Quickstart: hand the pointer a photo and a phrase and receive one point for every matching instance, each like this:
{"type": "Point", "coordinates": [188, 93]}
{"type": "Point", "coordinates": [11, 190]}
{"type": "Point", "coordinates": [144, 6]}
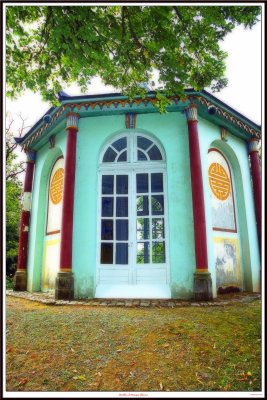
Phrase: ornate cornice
{"type": "Point", "coordinates": [102, 104]}
{"type": "Point", "coordinates": [229, 117]}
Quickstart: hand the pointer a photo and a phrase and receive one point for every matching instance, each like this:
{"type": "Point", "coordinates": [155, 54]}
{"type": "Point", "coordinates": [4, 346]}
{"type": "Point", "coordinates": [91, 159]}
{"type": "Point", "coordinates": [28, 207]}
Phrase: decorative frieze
{"type": "Point", "coordinates": [100, 104]}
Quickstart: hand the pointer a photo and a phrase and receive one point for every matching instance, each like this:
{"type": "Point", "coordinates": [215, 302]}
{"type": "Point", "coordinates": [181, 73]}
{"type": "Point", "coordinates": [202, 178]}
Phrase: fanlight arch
{"type": "Point", "coordinates": [132, 148]}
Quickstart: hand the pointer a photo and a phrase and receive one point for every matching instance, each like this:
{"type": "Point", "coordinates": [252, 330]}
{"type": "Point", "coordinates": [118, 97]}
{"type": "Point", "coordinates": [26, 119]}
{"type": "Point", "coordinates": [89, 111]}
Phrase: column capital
{"type": "Point", "coordinates": [72, 120]}
{"type": "Point", "coordinates": [31, 155]}
{"type": "Point", "coordinates": [191, 112]}
{"type": "Point", "coordinates": [253, 145]}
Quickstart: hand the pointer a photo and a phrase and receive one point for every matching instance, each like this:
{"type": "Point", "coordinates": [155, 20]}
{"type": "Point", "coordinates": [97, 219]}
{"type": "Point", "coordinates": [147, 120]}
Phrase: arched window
{"type": "Point", "coordinates": [221, 192]}
{"type": "Point", "coordinates": [144, 150]}
{"type": "Point", "coordinates": [55, 196]}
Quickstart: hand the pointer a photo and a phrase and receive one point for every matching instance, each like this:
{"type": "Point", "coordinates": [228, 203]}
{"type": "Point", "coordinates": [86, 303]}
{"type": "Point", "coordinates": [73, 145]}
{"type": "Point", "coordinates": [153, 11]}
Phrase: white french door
{"type": "Point", "coordinates": [132, 229]}
{"type": "Point", "coordinates": [132, 259]}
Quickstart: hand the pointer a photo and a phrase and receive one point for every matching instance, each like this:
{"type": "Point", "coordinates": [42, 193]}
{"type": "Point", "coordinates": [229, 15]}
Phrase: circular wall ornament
{"type": "Point", "coordinates": [219, 181]}
{"type": "Point", "coordinates": [56, 187]}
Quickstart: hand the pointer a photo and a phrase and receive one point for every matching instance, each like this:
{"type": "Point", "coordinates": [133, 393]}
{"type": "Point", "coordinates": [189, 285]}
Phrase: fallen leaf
{"type": "Point", "coordinates": [166, 345]}
{"type": "Point", "coordinates": [80, 378]}
{"type": "Point", "coordinates": [71, 349]}
{"type": "Point", "coordinates": [133, 363]}
{"type": "Point", "coordinates": [249, 373]}
{"type": "Point", "coordinates": [119, 350]}
{"type": "Point", "coordinates": [23, 381]}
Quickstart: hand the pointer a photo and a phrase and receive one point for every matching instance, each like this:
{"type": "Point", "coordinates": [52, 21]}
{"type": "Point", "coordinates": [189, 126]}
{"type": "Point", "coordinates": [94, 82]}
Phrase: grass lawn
{"type": "Point", "coordinates": [84, 348]}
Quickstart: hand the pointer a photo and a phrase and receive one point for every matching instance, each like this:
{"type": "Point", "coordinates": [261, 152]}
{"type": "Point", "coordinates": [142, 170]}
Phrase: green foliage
{"type": "Point", "coordinates": [49, 47]}
{"type": "Point", "coordinates": [13, 195]}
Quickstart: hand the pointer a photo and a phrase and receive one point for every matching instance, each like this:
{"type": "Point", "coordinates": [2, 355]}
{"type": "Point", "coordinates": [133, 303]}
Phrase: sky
{"type": "Point", "coordinates": [244, 72]}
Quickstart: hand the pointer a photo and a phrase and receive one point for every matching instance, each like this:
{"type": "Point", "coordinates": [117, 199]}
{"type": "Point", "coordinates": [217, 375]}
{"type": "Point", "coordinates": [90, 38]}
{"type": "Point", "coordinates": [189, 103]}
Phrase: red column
{"type": "Point", "coordinates": [202, 281]}
{"type": "Point", "coordinates": [253, 149]}
{"type": "Point", "coordinates": [20, 281]}
{"type": "Point", "coordinates": [65, 281]}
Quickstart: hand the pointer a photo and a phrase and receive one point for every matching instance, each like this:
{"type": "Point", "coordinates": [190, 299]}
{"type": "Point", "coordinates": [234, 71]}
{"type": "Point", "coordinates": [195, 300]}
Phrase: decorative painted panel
{"type": "Point", "coordinates": [51, 263]}
{"type": "Point", "coordinates": [221, 192]}
{"type": "Point", "coordinates": [55, 197]}
{"type": "Point", "coordinates": [227, 262]}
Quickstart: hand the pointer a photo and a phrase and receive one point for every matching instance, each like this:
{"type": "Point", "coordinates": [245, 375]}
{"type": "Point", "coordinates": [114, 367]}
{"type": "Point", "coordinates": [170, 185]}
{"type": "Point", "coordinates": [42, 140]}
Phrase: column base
{"type": "Point", "coordinates": [20, 281]}
{"type": "Point", "coordinates": [202, 286]}
{"type": "Point", "coordinates": [64, 286]}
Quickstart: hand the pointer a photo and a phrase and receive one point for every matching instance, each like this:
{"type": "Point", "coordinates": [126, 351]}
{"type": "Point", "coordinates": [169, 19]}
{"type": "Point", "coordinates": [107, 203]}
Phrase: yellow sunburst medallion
{"type": "Point", "coordinates": [56, 187]}
{"type": "Point", "coordinates": [219, 181]}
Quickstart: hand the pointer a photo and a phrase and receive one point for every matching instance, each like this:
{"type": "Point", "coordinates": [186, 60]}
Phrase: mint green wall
{"type": "Point", "coordinates": [235, 152]}
{"type": "Point", "coordinates": [171, 131]}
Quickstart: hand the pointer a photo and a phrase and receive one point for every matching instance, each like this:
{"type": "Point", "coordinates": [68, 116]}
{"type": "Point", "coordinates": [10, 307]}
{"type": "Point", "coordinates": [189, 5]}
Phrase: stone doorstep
{"type": "Point", "coordinates": [48, 299]}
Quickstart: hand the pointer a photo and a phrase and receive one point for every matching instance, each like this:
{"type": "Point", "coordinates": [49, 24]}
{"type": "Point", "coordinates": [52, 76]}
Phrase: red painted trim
{"type": "Point", "coordinates": [197, 197]}
{"type": "Point", "coordinates": [68, 201]}
{"type": "Point", "coordinates": [47, 208]}
{"type": "Point", "coordinates": [25, 221]}
{"type": "Point", "coordinates": [23, 240]}
{"type": "Point", "coordinates": [28, 177]}
{"type": "Point", "coordinates": [232, 190]}
{"type": "Point", "coordinates": [52, 233]}
{"type": "Point", "coordinates": [256, 180]}
{"type": "Point", "coordinates": [224, 230]}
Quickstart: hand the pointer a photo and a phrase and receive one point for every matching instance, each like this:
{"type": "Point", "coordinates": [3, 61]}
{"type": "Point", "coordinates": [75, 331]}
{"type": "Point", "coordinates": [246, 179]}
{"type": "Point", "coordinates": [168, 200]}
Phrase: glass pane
{"type": "Point", "coordinates": [141, 156]}
{"type": "Point", "coordinates": [156, 183]}
{"type": "Point", "coordinates": [122, 229]}
{"type": "Point", "coordinates": [106, 253]}
{"type": "Point", "coordinates": [157, 228]}
{"type": "Point", "coordinates": [158, 252]}
{"type": "Point", "coordinates": [143, 250]}
{"type": "Point", "coordinates": [107, 184]}
{"type": "Point", "coordinates": [142, 205]}
{"type": "Point", "coordinates": [123, 156]}
{"type": "Point", "coordinates": [122, 207]}
{"type": "Point", "coordinates": [142, 183]}
{"type": "Point", "coordinates": [107, 206]}
{"type": "Point", "coordinates": [154, 153]}
{"type": "Point", "coordinates": [143, 143]}
{"type": "Point", "coordinates": [107, 229]}
{"type": "Point", "coordinates": [109, 155]}
{"type": "Point", "coordinates": [142, 228]}
{"type": "Point", "coordinates": [120, 144]}
{"type": "Point", "coordinates": [157, 204]}
{"type": "Point", "coordinates": [121, 253]}
{"type": "Point", "coordinates": [122, 184]}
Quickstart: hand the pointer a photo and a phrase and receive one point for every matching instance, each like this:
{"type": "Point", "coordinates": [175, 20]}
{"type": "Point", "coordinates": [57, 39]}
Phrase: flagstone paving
{"type": "Point", "coordinates": [49, 299]}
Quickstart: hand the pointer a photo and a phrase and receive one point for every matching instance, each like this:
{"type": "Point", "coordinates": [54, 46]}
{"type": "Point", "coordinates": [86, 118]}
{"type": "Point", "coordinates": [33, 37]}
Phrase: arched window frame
{"type": "Point", "coordinates": [131, 144]}
{"type": "Point", "coordinates": [47, 208]}
{"type": "Point", "coordinates": [232, 191]}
